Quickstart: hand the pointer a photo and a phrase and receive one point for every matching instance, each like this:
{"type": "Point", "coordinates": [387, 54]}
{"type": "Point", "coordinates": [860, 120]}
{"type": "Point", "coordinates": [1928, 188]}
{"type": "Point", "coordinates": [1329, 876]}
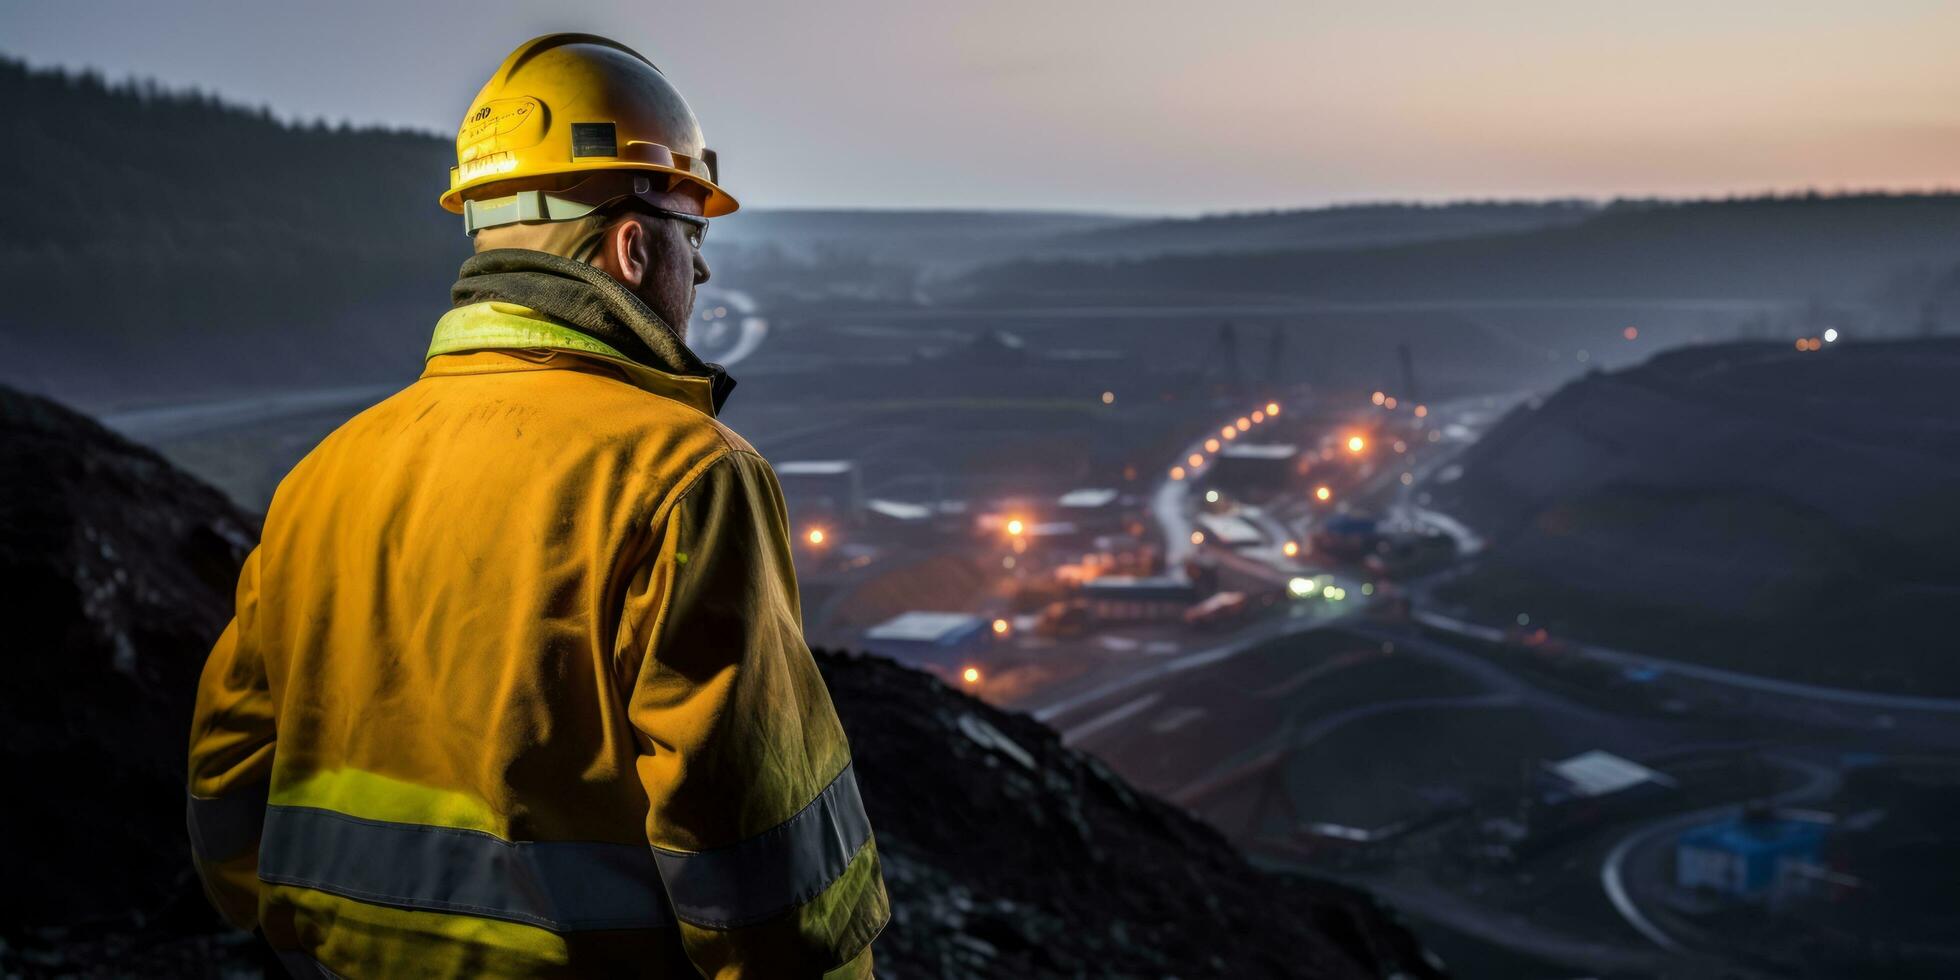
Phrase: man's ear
{"type": "Point", "coordinates": [629, 250]}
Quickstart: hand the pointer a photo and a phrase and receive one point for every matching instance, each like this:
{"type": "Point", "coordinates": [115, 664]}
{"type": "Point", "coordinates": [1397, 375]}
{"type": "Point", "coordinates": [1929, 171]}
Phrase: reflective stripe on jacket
{"type": "Point", "coordinates": [517, 686]}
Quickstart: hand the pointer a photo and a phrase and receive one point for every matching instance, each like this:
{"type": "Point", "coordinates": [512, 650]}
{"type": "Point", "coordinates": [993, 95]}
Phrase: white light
{"type": "Point", "coordinates": [1831, 335]}
{"type": "Point", "coordinates": [1301, 587]}
{"type": "Point", "coordinates": [1211, 496]}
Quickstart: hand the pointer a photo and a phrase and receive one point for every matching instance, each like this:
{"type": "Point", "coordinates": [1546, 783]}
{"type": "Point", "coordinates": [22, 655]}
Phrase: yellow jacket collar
{"type": "Point", "coordinates": [510, 329]}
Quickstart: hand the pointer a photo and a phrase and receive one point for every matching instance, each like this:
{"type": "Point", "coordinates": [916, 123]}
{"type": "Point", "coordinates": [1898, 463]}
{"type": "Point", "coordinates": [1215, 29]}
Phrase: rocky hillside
{"type": "Point", "coordinates": [1007, 854]}
{"type": "Point", "coordinates": [119, 571]}
{"type": "Point", "coordinates": [1752, 505]}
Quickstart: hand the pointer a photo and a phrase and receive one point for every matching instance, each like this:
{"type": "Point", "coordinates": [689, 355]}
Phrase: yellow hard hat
{"type": "Point", "coordinates": [565, 109]}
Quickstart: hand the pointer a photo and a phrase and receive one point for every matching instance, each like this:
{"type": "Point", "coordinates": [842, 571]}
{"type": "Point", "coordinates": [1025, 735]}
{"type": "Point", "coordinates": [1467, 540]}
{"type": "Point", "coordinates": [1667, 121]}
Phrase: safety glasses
{"type": "Point", "coordinates": [697, 226]}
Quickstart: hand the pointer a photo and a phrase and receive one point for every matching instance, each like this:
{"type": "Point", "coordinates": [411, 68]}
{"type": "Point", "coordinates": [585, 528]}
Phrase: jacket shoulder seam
{"type": "Point", "coordinates": [639, 541]}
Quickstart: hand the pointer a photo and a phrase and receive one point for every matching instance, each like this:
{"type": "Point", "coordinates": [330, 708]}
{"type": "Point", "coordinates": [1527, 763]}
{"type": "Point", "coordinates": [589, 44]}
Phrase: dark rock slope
{"type": "Point", "coordinates": [118, 572]}
{"type": "Point", "coordinates": [1011, 855]}
{"type": "Point", "coordinates": [1750, 505]}
{"type": "Point", "coordinates": [1007, 854]}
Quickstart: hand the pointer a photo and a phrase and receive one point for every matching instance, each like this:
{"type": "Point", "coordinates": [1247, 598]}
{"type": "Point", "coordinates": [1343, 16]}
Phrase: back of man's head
{"type": "Point", "coordinates": [576, 239]}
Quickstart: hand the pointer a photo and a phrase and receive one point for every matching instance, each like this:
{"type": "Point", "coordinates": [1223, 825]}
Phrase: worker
{"type": "Point", "coordinates": [517, 683]}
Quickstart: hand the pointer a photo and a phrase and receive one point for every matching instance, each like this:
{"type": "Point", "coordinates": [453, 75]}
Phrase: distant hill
{"type": "Point", "coordinates": [909, 236]}
{"type": "Point", "coordinates": [1746, 505]}
{"type": "Point", "coordinates": [1769, 248]}
{"type": "Point", "coordinates": [156, 236]}
{"type": "Point", "coordinates": [1341, 226]}
{"type": "Point", "coordinates": [964, 237]}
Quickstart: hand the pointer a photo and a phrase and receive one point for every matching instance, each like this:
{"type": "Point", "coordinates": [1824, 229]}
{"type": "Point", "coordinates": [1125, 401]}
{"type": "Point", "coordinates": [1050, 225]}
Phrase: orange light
{"type": "Point", "coordinates": [1803, 343]}
{"type": "Point", "coordinates": [1390, 403]}
{"type": "Point", "coordinates": [1244, 423]}
{"type": "Point", "coordinates": [1631, 333]}
{"type": "Point", "coordinates": [1231, 433]}
{"type": "Point", "coordinates": [1177, 472]}
{"type": "Point", "coordinates": [1356, 444]}
{"type": "Point", "coordinates": [1422, 411]}
{"type": "Point", "coordinates": [971, 675]}
{"type": "Point", "coordinates": [1197, 537]}
{"type": "Point", "coordinates": [1000, 627]}
{"type": "Point", "coordinates": [1323, 493]}
{"type": "Point", "coordinates": [1378, 398]}
{"type": "Point", "coordinates": [1290, 548]}
{"type": "Point", "coordinates": [1109, 398]}
{"type": "Point", "coordinates": [1196, 460]}
{"type": "Point", "coordinates": [1015, 527]}
{"type": "Point", "coordinates": [1211, 445]}
{"type": "Point", "coordinates": [1272, 408]}
{"type": "Point", "coordinates": [816, 535]}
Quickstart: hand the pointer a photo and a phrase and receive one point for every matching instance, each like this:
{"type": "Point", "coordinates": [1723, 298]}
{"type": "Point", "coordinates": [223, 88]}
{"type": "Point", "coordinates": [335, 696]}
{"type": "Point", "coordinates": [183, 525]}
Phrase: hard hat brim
{"type": "Point", "coordinates": [719, 201]}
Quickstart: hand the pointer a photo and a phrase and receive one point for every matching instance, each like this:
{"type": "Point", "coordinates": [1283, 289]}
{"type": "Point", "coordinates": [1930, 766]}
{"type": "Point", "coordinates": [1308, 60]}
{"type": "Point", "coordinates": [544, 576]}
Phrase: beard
{"type": "Point", "coordinates": [672, 298]}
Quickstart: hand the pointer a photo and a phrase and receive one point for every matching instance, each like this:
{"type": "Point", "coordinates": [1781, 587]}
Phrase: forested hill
{"type": "Point", "coordinates": [153, 235]}
{"type": "Point", "coordinates": [1763, 248]}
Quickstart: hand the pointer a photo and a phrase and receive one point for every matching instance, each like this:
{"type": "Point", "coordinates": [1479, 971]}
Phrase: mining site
{"type": "Point", "coordinates": [1538, 587]}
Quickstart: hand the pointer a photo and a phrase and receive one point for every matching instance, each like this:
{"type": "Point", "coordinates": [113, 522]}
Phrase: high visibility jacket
{"type": "Point", "coordinates": [517, 686]}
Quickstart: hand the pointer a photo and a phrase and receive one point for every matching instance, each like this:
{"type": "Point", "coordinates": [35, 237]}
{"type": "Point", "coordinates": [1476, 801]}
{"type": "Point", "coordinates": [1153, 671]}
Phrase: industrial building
{"type": "Point", "coordinates": [928, 639]}
{"type": "Point", "coordinates": [822, 489]}
{"type": "Point", "coordinates": [1347, 535]}
{"type": "Point", "coordinates": [1244, 468]}
{"type": "Point", "coordinates": [1087, 499]}
{"type": "Point", "coordinates": [1128, 598]}
{"type": "Point", "coordinates": [1747, 856]}
{"type": "Point", "coordinates": [1596, 774]}
{"type": "Point", "coordinates": [1230, 530]}
{"type": "Point", "coordinates": [1573, 794]}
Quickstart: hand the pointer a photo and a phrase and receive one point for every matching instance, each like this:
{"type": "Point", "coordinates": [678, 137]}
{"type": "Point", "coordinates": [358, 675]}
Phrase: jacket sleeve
{"type": "Point", "coordinates": [753, 808]}
{"type": "Point", "coordinates": [231, 760]}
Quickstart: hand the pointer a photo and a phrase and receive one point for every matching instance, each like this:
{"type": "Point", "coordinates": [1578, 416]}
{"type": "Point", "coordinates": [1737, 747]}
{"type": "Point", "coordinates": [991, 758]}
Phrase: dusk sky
{"type": "Point", "coordinates": [1149, 107]}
